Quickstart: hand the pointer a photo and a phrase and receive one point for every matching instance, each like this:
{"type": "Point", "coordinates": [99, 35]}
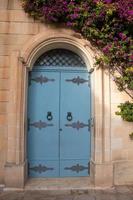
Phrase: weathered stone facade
{"type": "Point", "coordinates": [22, 40]}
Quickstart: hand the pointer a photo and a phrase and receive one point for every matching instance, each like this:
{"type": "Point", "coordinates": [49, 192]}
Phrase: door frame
{"type": "Point", "coordinates": [20, 62]}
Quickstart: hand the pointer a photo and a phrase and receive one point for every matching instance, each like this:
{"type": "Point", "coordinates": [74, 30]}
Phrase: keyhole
{"type": "Point", "coordinates": [49, 116]}
{"type": "Point", "coordinates": [69, 116]}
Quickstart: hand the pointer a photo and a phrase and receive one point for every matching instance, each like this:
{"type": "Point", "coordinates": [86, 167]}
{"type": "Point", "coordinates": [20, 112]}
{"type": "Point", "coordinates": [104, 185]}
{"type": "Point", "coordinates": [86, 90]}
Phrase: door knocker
{"type": "Point", "coordinates": [69, 116]}
{"type": "Point", "coordinates": [49, 116]}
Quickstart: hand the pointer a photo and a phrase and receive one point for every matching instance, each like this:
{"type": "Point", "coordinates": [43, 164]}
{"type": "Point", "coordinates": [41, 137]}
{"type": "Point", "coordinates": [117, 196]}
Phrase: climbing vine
{"type": "Point", "coordinates": [126, 111]}
{"type": "Point", "coordinates": [108, 24]}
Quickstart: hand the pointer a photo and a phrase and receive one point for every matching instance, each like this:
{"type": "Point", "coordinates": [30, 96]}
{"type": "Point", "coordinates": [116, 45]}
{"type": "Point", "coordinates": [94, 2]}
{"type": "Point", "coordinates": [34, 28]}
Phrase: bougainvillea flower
{"type": "Point", "coordinates": [106, 23]}
{"type": "Point", "coordinates": [108, 1]}
{"type": "Point", "coordinates": [122, 36]}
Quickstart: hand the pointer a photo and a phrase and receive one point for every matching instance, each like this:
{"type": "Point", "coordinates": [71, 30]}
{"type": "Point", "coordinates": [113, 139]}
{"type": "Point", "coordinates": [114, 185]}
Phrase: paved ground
{"type": "Point", "coordinates": [118, 193]}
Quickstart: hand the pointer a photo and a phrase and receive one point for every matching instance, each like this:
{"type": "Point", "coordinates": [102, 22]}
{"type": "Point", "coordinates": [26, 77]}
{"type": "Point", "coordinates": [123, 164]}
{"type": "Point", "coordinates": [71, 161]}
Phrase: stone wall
{"type": "Point", "coordinates": [121, 144]}
{"type": "Point", "coordinates": [16, 29]}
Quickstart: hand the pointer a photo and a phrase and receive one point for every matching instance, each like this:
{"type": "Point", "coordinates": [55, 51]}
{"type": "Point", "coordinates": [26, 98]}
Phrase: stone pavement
{"type": "Point", "coordinates": [117, 193]}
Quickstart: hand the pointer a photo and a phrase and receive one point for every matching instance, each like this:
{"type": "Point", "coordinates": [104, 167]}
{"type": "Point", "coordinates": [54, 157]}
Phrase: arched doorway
{"type": "Point", "coordinates": [59, 116]}
{"type": "Point", "coordinates": [22, 61]}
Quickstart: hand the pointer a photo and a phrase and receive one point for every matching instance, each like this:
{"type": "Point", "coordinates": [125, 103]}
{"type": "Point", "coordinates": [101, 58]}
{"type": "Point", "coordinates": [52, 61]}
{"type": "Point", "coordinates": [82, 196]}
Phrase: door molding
{"type": "Point", "coordinates": [20, 62]}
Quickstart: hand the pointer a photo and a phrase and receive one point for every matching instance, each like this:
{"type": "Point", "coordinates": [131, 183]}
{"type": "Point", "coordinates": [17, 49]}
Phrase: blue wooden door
{"type": "Point", "coordinates": [58, 124]}
{"type": "Point", "coordinates": [43, 124]}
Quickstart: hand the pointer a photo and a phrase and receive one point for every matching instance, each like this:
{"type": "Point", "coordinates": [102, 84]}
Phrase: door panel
{"type": "Point", "coordinates": [75, 134]}
{"type": "Point", "coordinates": [43, 130]}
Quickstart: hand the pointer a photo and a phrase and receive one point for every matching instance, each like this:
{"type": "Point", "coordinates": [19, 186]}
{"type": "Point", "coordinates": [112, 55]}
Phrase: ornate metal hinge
{"type": "Point", "coordinates": [78, 125]}
{"type": "Point", "coordinates": [78, 168]}
{"type": "Point", "coordinates": [40, 124]}
{"type": "Point", "coordinates": [40, 168]}
{"type": "Point", "coordinates": [78, 80]}
{"type": "Point", "coordinates": [40, 79]}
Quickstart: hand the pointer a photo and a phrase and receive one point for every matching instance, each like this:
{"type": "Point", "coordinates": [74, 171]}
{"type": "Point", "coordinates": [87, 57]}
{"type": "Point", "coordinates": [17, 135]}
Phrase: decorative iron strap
{"type": "Point", "coordinates": [40, 124]}
{"type": "Point", "coordinates": [77, 168]}
{"type": "Point", "coordinates": [40, 168]}
{"type": "Point", "coordinates": [79, 125]}
{"type": "Point", "coordinates": [41, 79]}
{"type": "Point", "coordinates": [78, 80]}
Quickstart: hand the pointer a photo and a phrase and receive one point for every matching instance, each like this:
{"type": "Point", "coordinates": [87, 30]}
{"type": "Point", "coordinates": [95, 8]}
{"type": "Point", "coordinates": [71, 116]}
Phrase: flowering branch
{"type": "Point", "coordinates": [106, 23]}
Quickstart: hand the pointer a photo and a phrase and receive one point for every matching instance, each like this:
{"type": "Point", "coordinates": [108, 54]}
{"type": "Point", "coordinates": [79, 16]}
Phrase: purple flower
{"type": "Point", "coordinates": [130, 12]}
{"type": "Point", "coordinates": [131, 58]}
{"type": "Point", "coordinates": [95, 1]}
{"type": "Point", "coordinates": [122, 36]}
{"type": "Point", "coordinates": [108, 1]}
{"type": "Point", "coordinates": [115, 39]}
{"type": "Point", "coordinates": [77, 9]}
{"type": "Point", "coordinates": [107, 48]}
{"type": "Point", "coordinates": [69, 23]}
{"type": "Point", "coordinates": [74, 16]}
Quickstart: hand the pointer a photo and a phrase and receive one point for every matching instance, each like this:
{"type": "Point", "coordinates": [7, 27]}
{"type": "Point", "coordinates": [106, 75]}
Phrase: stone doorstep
{"type": "Point", "coordinates": [61, 192]}
{"type": "Point", "coordinates": [65, 186]}
{"type": "Point", "coordinates": [58, 184]}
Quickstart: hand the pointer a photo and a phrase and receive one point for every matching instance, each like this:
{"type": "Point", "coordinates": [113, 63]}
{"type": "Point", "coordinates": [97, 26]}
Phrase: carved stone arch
{"type": "Point", "coordinates": [43, 44]}
{"type": "Point", "coordinates": [21, 62]}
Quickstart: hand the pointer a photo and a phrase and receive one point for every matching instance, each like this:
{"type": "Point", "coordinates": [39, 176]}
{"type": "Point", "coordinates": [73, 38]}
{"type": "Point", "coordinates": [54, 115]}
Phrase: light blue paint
{"type": "Point", "coordinates": [59, 149]}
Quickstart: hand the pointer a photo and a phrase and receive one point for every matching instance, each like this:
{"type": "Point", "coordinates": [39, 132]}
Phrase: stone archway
{"type": "Point", "coordinates": [21, 62]}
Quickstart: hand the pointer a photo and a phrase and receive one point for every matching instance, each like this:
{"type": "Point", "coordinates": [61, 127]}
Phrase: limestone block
{"type": "Point", "coordinates": [11, 39]}
{"type": "Point", "coordinates": [3, 119]}
{"type": "Point", "coordinates": [121, 130]}
{"type": "Point", "coordinates": [4, 85]}
{"type": "Point", "coordinates": [12, 131]}
{"type": "Point", "coordinates": [103, 175]}
{"type": "Point", "coordinates": [43, 27]}
{"type": "Point", "coordinates": [12, 143]}
{"type": "Point", "coordinates": [11, 155]}
{"type": "Point", "coordinates": [3, 130]}
{"type": "Point", "coordinates": [4, 15]}
{"type": "Point", "coordinates": [4, 96]}
{"type": "Point", "coordinates": [15, 175]}
{"type": "Point", "coordinates": [6, 50]}
{"type": "Point", "coordinates": [14, 5]}
{"type": "Point", "coordinates": [3, 107]}
{"type": "Point", "coordinates": [4, 73]}
{"type": "Point", "coordinates": [119, 155]}
{"type": "Point", "coordinates": [118, 122]}
{"type": "Point", "coordinates": [18, 28]}
{"type": "Point", "coordinates": [3, 4]}
{"type": "Point", "coordinates": [2, 147]}
{"type": "Point", "coordinates": [4, 61]}
{"type": "Point", "coordinates": [12, 119]}
{"type": "Point", "coordinates": [117, 97]}
{"type": "Point", "coordinates": [14, 16]}
{"type": "Point", "coordinates": [123, 173]}
{"type": "Point", "coordinates": [3, 50]}
{"type": "Point", "coordinates": [130, 153]}
{"type": "Point", "coordinates": [117, 143]}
